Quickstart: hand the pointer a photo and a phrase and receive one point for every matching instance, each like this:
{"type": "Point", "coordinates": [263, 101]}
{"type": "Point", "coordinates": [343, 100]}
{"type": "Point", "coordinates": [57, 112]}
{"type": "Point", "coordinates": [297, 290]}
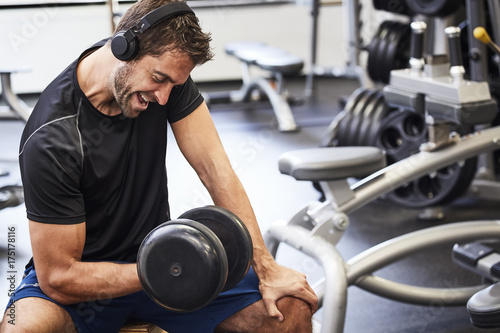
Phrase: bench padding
{"type": "Point", "coordinates": [266, 57]}
{"type": "Point", "coordinates": [332, 163]}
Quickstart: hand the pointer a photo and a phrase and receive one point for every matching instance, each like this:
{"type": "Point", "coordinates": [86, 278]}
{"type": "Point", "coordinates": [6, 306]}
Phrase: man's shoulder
{"type": "Point", "coordinates": [62, 95]}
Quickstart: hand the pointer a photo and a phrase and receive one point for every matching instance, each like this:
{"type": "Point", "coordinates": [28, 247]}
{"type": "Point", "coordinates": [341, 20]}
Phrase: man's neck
{"type": "Point", "coordinates": [93, 73]}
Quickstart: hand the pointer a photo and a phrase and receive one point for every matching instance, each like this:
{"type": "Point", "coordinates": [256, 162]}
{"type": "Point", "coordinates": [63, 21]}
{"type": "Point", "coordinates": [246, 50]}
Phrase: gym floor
{"type": "Point", "coordinates": [253, 144]}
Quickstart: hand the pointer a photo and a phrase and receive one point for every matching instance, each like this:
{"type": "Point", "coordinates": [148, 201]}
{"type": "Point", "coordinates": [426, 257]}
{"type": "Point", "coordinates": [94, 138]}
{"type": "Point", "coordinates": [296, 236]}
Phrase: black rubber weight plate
{"type": "Point", "coordinates": [234, 237]}
{"type": "Point", "coordinates": [182, 265]}
{"type": "Point", "coordinates": [358, 118]}
{"type": "Point", "coordinates": [376, 103]}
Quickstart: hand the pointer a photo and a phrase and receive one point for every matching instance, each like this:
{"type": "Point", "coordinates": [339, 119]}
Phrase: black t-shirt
{"type": "Point", "coordinates": [79, 165]}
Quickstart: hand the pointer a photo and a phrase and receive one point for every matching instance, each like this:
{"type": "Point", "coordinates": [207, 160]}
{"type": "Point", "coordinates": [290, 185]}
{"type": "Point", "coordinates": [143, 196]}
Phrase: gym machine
{"type": "Point", "coordinates": [390, 119]}
{"type": "Point", "coordinates": [439, 92]}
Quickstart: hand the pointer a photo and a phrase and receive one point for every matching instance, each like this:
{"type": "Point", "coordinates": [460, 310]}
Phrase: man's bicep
{"type": "Point", "coordinates": [55, 246]}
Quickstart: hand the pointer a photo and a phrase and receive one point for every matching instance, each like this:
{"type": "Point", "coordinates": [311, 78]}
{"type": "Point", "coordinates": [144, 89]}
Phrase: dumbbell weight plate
{"type": "Point", "coordinates": [182, 265]}
{"type": "Point", "coordinates": [233, 235]}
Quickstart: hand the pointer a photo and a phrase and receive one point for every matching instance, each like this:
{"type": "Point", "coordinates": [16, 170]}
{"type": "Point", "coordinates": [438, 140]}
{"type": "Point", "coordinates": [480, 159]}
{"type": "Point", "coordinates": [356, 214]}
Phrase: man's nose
{"type": "Point", "coordinates": [163, 94]}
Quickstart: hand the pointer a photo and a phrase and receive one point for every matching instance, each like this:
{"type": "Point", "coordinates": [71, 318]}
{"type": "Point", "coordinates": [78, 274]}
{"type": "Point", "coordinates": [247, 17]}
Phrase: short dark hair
{"type": "Point", "coordinates": [180, 33]}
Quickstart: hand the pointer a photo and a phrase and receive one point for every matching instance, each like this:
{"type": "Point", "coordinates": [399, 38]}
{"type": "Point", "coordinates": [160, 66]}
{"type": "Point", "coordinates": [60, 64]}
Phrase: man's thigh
{"type": "Point", "coordinates": [34, 314]}
{"type": "Point", "coordinates": [205, 319]}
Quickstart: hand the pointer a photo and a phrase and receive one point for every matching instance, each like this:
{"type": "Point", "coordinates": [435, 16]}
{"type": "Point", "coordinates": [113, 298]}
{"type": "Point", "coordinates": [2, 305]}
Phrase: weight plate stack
{"type": "Point", "coordinates": [368, 121]}
{"type": "Point", "coordinates": [388, 50]}
{"type": "Point", "coordinates": [358, 123]}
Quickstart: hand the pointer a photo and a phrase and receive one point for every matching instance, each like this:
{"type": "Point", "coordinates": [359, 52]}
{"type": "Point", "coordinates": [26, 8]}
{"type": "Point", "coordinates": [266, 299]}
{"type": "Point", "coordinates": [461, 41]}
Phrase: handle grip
{"type": "Point", "coordinates": [453, 34]}
{"type": "Point", "coordinates": [417, 39]}
{"type": "Point", "coordinates": [481, 34]}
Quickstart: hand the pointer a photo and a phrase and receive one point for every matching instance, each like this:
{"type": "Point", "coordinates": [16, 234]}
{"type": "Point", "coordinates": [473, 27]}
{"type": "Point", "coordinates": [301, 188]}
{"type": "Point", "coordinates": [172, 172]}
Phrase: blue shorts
{"type": "Point", "coordinates": [109, 315]}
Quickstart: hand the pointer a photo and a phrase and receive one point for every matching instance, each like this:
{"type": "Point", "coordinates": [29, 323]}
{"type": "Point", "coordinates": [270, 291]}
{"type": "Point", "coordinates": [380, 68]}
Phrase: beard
{"type": "Point", "coordinates": [123, 92]}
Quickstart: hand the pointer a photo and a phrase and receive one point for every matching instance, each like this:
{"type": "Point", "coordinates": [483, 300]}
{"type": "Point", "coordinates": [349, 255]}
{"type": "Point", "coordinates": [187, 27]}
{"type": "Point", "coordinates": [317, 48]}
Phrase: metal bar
{"type": "Point", "coordinates": [397, 248]}
{"type": "Point", "coordinates": [417, 295]}
{"type": "Point", "coordinates": [313, 47]}
{"type": "Point", "coordinates": [334, 305]}
{"type": "Point", "coordinates": [14, 102]}
{"type": "Point", "coordinates": [112, 15]}
{"type": "Point", "coordinates": [478, 53]}
{"type": "Point", "coordinates": [352, 16]}
{"type": "Point", "coordinates": [283, 112]}
{"type": "Point", "coordinates": [494, 10]}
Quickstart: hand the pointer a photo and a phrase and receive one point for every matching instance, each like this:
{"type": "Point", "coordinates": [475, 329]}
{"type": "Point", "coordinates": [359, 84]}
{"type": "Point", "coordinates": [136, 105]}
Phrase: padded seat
{"type": "Point", "coordinates": [332, 163]}
{"type": "Point", "coordinates": [266, 57]}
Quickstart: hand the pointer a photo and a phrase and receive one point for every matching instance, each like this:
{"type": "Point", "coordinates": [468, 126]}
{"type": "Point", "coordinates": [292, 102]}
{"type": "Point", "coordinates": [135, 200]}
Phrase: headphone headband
{"type": "Point", "coordinates": [125, 44]}
{"type": "Point", "coordinates": [164, 12]}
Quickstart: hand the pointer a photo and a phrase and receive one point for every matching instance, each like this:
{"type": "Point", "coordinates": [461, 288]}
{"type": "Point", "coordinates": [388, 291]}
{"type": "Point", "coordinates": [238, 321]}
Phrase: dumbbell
{"type": "Point", "coordinates": [184, 264]}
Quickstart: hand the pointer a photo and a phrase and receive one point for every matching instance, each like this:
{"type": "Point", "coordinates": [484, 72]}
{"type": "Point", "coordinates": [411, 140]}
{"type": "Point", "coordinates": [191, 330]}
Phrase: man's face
{"type": "Point", "coordinates": [149, 80]}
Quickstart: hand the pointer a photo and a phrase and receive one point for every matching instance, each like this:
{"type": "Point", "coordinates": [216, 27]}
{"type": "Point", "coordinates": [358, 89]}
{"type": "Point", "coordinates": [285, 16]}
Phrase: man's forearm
{"type": "Point", "coordinates": [234, 198]}
{"type": "Point", "coordinates": [86, 281]}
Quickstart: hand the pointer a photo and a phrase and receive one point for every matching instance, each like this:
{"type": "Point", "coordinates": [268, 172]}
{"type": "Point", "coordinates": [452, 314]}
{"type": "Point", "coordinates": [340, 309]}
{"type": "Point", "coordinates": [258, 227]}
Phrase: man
{"type": "Point", "coordinates": [92, 159]}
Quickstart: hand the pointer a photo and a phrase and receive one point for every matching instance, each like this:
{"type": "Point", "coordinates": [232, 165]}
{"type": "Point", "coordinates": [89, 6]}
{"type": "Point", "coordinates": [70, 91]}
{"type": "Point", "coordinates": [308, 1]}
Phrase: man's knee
{"type": "Point", "coordinates": [254, 318]}
{"type": "Point", "coordinates": [297, 314]}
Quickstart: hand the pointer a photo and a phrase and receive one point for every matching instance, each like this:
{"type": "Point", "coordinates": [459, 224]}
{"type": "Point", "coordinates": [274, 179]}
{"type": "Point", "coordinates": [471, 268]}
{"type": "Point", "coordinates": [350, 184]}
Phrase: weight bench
{"type": "Point", "coordinates": [16, 108]}
{"type": "Point", "coordinates": [274, 60]}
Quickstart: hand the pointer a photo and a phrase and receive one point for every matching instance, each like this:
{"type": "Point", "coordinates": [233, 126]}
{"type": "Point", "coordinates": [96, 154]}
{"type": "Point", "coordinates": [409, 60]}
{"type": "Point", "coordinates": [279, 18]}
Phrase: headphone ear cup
{"type": "Point", "coordinates": [122, 48]}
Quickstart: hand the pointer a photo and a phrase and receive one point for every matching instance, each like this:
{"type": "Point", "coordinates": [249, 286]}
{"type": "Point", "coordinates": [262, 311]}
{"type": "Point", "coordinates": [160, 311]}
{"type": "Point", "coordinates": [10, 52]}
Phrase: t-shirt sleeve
{"type": "Point", "coordinates": [183, 100]}
{"type": "Point", "coordinates": [50, 163]}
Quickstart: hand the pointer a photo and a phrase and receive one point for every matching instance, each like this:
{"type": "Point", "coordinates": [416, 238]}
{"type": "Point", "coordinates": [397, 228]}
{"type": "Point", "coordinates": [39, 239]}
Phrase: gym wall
{"type": "Point", "coordinates": [45, 39]}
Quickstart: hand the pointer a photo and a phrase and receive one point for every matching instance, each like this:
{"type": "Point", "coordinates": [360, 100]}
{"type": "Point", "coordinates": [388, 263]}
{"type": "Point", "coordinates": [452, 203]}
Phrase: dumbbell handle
{"type": "Point", "coordinates": [481, 34]}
